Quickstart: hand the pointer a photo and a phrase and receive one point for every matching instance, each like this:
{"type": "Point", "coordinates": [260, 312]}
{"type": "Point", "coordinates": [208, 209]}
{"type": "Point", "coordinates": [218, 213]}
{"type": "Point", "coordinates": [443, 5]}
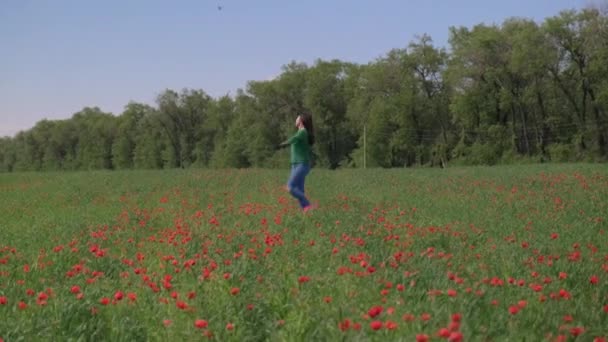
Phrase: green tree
{"type": "Point", "coordinates": [325, 98]}
{"type": "Point", "coordinates": [123, 148]}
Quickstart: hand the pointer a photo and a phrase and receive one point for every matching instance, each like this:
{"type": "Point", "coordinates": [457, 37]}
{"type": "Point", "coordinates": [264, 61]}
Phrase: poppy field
{"type": "Point", "coordinates": [462, 254]}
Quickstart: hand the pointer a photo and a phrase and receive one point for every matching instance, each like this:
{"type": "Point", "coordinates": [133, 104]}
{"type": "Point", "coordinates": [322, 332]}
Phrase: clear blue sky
{"type": "Point", "coordinates": [59, 56]}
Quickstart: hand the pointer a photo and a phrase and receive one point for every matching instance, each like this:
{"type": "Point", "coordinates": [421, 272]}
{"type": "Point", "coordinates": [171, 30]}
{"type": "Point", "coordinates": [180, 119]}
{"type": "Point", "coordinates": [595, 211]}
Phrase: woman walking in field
{"type": "Point", "coordinates": [301, 144]}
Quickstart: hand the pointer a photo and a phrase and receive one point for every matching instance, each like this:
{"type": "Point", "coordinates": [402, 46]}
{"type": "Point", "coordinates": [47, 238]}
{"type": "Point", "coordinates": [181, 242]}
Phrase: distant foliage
{"type": "Point", "coordinates": [505, 93]}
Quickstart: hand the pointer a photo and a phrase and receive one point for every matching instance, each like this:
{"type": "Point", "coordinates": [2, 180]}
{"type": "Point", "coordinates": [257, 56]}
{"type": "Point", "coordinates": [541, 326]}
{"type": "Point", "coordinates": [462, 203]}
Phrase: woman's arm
{"type": "Point", "coordinates": [298, 136]}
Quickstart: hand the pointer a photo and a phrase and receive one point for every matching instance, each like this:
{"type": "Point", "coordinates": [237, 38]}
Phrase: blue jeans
{"type": "Point", "coordinates": [296, 182]}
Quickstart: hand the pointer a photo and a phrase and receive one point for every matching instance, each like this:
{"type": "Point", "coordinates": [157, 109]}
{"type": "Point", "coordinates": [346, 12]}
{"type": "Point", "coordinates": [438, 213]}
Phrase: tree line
{"type": "Point", "coordinates": [519, 91]}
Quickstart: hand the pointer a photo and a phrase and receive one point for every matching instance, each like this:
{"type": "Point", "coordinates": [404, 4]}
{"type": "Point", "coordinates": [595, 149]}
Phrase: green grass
{"type": "Point", "coordinates": [422, 231]}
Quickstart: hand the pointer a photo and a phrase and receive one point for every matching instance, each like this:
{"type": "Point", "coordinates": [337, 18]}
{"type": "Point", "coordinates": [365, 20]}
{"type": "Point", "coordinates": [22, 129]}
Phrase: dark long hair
{"type": "Point", "coordinates": [307, 122]}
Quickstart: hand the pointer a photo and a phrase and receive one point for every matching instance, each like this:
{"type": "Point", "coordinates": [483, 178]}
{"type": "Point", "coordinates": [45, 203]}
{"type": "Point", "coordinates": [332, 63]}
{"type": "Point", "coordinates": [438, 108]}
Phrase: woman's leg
{"type": "Point", "coordinates": [304, 169]}
{"type": "Point", "coordinates": [305, 172]}
{"type": "Point", "coordinates": [296, 183]}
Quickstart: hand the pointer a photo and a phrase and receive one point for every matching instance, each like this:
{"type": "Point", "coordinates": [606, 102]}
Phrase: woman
{"type": "Point", "coordinates": [301, 143]}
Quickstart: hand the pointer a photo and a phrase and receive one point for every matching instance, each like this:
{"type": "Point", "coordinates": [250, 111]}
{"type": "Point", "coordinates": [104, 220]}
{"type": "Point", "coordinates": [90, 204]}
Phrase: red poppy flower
{"type": "Point", "coordinates": [200, 323]}
{"type": "Point", "coordinates": [344, 325]}
{"type": "Point", "coordinates": [454, 326]}
{"type": "Point", "coordinates": [408, 317]}
{"type": "Point", "coordinates": [181, 305]}
{"type": "Point", "coordinates": [390, 325]}
{"type": "Point", "coordinates": [422, 338]}
{"type": "Point", "coordinates": [375, 311]}
{"type": "Point", "coordinates": [594, 279]}
{"type": "Point", "coordinates": [303, 279]}
{"type": "Point", "coordinates": [443, 332]}
{"type": "Point", "coordinates": [455, 336]}
{"type": "Point", "coordinates": [576, 331]}
{"type": "Point", "coordinates": [376, 325]}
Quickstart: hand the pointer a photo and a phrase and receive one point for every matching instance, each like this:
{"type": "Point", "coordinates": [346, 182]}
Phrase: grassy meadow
{"type": "Point", "coordinates": [476, 254]}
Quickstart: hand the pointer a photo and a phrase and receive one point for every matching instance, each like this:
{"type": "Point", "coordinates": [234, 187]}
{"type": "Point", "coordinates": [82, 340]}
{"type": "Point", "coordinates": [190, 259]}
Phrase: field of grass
{"type": "Point", "coordinates": [477, 254]}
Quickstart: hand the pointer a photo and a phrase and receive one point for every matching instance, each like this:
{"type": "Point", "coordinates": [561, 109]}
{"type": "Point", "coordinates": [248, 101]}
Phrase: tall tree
{"type": "Point", "coordinates": [123, 148]}
{"type": "Point", "coordinates": [577, 36]}
{"type": "Point", "coordinates": [326, 99]}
